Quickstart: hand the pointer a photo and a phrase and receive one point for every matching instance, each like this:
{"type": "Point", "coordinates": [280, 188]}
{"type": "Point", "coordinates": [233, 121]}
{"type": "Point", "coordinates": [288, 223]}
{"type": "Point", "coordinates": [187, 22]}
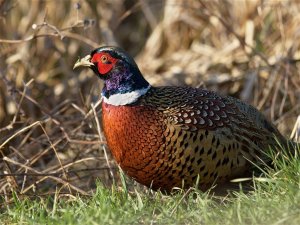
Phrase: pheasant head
{"type": "Point", "coordinates": [123, 81]}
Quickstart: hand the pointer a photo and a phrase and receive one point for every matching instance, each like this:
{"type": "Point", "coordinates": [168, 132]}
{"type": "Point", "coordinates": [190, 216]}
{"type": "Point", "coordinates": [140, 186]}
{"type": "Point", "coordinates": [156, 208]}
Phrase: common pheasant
{"type": "Point", "coordinates": [167, 137]}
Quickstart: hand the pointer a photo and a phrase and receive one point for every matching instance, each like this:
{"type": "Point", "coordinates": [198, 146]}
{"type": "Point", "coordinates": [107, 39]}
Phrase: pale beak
{"type": "Point", "coordinates": [84, 62]}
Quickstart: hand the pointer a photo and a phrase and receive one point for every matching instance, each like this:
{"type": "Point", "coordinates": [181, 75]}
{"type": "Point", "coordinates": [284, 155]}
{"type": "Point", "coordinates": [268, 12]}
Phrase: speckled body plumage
{"type": "Point", "coordinates": [167, 137]}
{"type": "Point", "coordinates": [173, 134]}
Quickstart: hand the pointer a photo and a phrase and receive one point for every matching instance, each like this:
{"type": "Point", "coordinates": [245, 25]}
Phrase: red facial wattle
{"type": "Point", "coordinates": [104, 61]}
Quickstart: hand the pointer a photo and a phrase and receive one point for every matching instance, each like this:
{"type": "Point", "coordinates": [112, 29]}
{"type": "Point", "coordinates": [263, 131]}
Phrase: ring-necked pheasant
{"type": "Point", "coordinates": [165, 137]}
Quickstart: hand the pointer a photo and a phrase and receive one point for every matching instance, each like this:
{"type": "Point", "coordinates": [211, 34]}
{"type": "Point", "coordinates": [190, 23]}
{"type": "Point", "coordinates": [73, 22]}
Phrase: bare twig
{"type": "Point", "coordinates": [101, 139]}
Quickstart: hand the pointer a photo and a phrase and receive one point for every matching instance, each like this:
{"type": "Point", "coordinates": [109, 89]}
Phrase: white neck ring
{"type": "Point", "coordinates": [125, 98]}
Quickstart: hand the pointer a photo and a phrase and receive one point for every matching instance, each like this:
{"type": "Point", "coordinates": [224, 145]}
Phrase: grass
{"type": "Point", "coordinates": [275, 199]}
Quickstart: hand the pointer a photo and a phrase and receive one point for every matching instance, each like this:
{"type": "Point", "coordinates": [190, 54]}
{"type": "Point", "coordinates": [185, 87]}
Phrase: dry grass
{"type": "Point", "coordinates": [50, 138]}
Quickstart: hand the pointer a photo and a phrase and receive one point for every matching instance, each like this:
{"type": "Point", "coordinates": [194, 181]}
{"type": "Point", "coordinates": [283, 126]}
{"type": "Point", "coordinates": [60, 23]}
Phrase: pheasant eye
{"type": "Point", "coordinates": [104, 59]}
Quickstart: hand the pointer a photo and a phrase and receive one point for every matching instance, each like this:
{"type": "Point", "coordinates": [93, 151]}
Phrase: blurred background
{"type": "Point", "coordinates": [50, 135]}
